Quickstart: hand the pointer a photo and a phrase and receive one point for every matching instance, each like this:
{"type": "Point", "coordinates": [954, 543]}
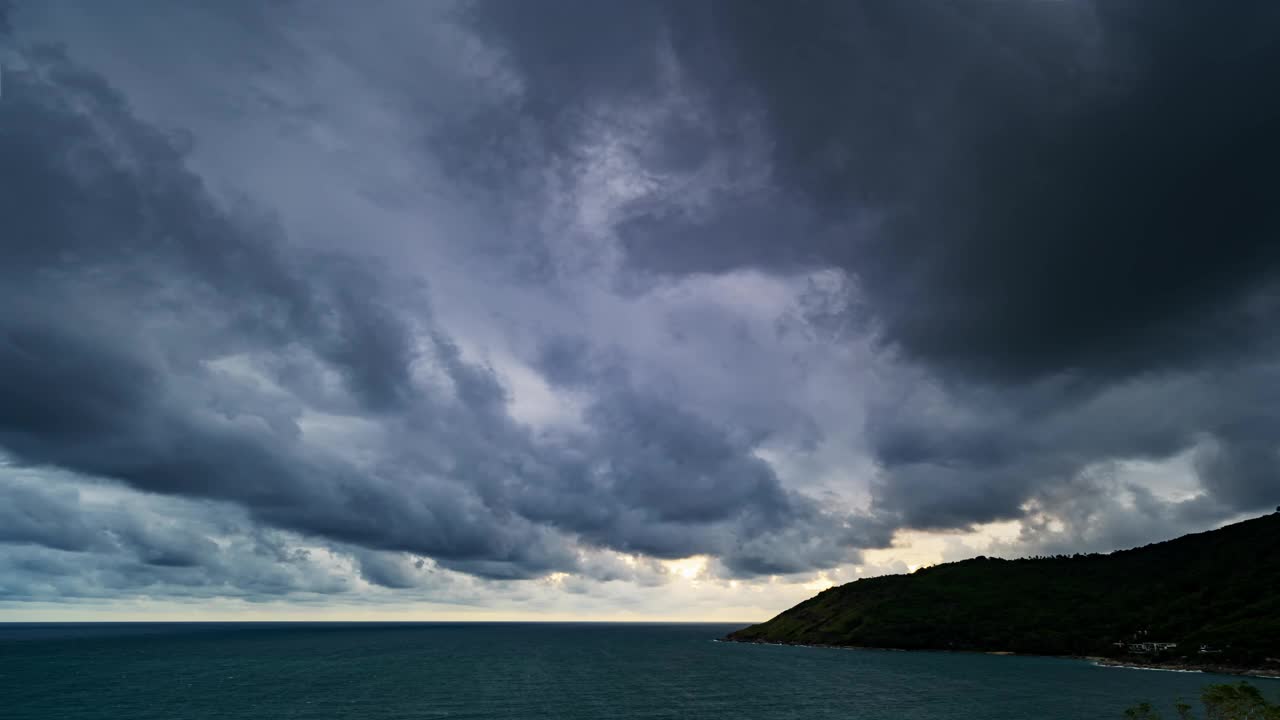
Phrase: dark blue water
{"type": "Point", "coordinates": [383, 671]}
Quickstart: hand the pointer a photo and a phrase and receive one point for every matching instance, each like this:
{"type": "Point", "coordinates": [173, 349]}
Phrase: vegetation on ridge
{"type": "Point", "coordinates": [1215, 594]}
{"type": "Point", "coordinates": [1240, 701]}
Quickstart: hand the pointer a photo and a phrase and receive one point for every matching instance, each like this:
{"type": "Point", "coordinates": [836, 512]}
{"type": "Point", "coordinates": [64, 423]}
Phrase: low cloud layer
{"type": "Point", "coordinates": [440, 301]}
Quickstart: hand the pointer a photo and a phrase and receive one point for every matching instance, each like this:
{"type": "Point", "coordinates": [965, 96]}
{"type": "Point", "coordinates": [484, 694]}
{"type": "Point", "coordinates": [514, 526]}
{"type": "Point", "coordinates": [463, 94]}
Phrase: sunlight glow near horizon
{"type": "Point", "coordinates": [709, 599]}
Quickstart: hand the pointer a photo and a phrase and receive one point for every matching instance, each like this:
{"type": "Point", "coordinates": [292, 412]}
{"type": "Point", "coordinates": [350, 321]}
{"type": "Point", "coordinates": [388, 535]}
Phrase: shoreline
{"type": "Point", "coordinates": [1266, 673]}
{"type": "Point", "coordinates": [1099, 661]}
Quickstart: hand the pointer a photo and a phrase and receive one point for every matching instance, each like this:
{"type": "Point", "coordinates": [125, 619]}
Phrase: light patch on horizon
{"type": "Point", "coordinates": [820, 583]}
{"type": "Point", "coordinates": [692, 569]}
{"type": "Point", "coordinates": [917, 549]}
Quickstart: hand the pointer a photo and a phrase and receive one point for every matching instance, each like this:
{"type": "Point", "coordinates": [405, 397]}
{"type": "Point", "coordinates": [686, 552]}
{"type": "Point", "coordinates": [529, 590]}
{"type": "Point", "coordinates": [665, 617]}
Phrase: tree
{"type": "Point", "coordinates": [1239, 701]}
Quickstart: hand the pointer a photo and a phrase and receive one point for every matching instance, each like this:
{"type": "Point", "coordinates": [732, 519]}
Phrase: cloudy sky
{"type": "Point", "coordinates": [638, 310]}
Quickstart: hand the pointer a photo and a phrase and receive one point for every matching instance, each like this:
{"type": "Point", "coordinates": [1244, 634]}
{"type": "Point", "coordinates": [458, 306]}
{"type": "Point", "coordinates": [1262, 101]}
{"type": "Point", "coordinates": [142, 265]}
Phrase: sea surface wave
{"type": "Point", "coordinates": [385, 671]}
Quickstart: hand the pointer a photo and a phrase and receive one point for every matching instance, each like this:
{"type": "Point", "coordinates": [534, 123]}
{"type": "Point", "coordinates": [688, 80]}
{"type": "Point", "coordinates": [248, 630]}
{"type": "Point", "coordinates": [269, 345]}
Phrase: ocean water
{"type": "Point", "coordinates": [442, 670]}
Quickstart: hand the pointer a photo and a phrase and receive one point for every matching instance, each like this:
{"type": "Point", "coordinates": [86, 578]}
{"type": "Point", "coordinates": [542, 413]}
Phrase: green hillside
{"type": "Point", "coordinates": [1219, 588]}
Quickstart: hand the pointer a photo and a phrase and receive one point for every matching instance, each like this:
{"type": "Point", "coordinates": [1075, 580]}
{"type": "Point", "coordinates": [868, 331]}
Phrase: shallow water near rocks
{"type": "Point", "coordinates": [497, 670]}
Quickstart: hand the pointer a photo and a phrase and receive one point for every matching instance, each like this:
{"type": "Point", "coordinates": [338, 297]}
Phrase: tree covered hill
{"type": "Point", "coordinates": [1218, 588]}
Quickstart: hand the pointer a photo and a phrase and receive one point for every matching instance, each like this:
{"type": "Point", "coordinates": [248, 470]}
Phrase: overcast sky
{"type": "Point", "coordinates": [633, 310]}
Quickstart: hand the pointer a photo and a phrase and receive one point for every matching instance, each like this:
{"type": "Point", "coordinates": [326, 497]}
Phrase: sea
{"type": "Point", "coordinates": [400, 671]}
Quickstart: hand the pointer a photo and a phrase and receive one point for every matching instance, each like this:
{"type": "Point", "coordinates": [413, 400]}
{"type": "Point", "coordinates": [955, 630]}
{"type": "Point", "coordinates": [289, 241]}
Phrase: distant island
{"type": "Point", "coordinates": [1205, 601]}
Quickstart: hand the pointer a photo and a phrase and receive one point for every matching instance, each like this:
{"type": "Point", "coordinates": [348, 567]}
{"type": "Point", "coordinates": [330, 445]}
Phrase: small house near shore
{"type": "Point", "coordinates": [1151, 647]}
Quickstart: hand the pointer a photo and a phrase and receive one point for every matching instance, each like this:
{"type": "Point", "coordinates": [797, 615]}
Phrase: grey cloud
{"type": "Point", "coordinates": [1043, 206]}
{"type": "Point", "coordinates": [1021, 188]}
{"type": "Point", "coordinates": [58, 545]}
{"type": "Point", "coordinates": [392, 570]}
{"type": "Point", "coordinates": [657, 479]}
{"type": "Point", "coordinates": [1041, 235]}
{"type": "Point", "coordinates": [953, 459]}
{"type": "Point", "coordinates": [1101, 510]}
{"type": "Point", "coordinates": [43, 518]}
{"type": "Point", "coordinates": [128, 281]}
{"type": "Point", "coordinates": [153, 336]}
{"type": "Point", "coordinates": [567, 361]}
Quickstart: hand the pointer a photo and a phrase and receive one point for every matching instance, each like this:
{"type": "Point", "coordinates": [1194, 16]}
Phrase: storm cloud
{"type": "Point", "coordinates": [407, 298]}
{"type": "Point", "coordinates": [1057, 213]}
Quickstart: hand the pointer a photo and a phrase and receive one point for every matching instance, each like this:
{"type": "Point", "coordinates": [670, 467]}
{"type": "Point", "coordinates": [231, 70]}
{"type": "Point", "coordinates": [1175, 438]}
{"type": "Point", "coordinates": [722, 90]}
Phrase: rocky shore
{"type": "Point", "coordinates": [1266, 671]}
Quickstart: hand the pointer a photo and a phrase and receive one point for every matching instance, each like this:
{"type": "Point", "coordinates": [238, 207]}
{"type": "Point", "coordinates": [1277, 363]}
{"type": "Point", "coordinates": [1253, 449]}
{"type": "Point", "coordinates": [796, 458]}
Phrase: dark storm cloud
{"type": "Point", "coordinates": [51, 519]}
{"type": "Point", "coordinates": [1049, 221]}
{"type": "Point", "coordinates": [1022, 188]}
{"type": "Point", "coordinates": [153, 336]}
{"type": "Point", "coordinates": [390, 571]}
{"type": "Point", "coordinates": [58, 545]}
{"type": "Point", "coordinates": [660, 479]}
{"type": "Point", "coordinates": [959, 456]}
{"type": "Point", "coordinates": [125, 281]}
{"type": "Point", "coordinates": [1059, 212]}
